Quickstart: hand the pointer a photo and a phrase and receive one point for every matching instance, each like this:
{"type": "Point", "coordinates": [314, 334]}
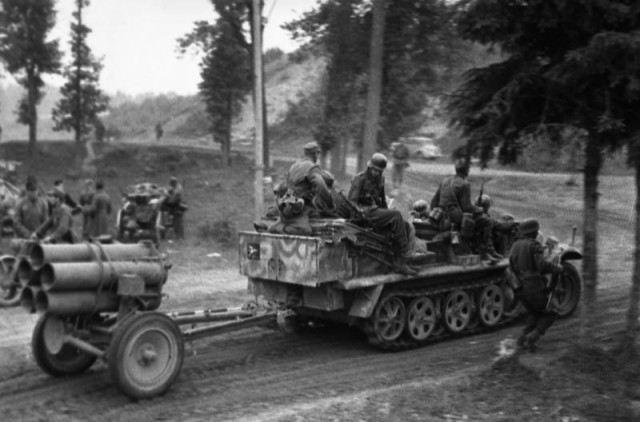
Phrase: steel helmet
{"type": "Point", "coordinates": [461, 164]}
{"type": "Point", "coordinates": [529, 227]}
{"type": "Point", "coordinates": [486, 202]}
{"type": "Point", "coordinates": [378, 161]}
{"type": "Point", "coordinates": [420, 205]}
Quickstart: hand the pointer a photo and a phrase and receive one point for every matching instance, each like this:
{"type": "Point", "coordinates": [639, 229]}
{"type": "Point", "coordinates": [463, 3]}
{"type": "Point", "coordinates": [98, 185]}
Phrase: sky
{"type": "Point", "coordinates": [137, 40]}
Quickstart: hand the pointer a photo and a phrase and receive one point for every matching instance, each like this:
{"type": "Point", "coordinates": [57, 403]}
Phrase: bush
{"type": "Point", "coordinates": [222, 231]}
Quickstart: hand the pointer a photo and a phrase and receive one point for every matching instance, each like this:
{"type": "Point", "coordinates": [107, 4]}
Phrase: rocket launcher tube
{"type": "Point", "coordinates": [85, 252]}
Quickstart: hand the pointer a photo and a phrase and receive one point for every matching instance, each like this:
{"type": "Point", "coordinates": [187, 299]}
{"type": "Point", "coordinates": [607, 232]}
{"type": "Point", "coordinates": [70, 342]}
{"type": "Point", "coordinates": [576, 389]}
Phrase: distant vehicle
{"type": "Point", "coordinates": [422, 147]}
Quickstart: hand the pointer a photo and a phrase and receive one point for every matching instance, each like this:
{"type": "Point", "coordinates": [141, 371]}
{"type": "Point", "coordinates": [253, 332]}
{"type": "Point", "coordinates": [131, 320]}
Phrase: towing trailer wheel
{"type": "Point", "coordinates": [389, 319]}
{"type": "Point", "coordinates": [568, 290]}
{"type": "Point", "coordinates": [145, 355]}
{"type": "Point", "coordinates": [52, 355]}
{"type": "Point", "coordinates": [457, 311]}
{"type": "Point", "coordinates": [10, 289]}
{"type": "Point", "coordinates": [490, 305]}
{"type": "Point", "coordinates": [422, 318]}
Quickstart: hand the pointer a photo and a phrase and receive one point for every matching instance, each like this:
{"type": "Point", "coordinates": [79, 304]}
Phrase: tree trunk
{"type": "Point", "coordinates": [374, 93]}
{"type": "Point", "coordinates": [590, 240]}
{"type": "Point", "coordinates": [265, 126]}
{"type": "Point", "coordinates": [226, 141]}
{"type": "Point", "coordinates": [627, 344]}
{"type": "Point", "coordinates": [32, 100]}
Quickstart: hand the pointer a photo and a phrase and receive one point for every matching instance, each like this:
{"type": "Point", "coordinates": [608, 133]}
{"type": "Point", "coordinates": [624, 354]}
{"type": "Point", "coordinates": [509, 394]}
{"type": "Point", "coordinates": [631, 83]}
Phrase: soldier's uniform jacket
{"type": "Point", "coordinates": [60, 223]}
{"type": "Point", "coordinates": [454, 192]}
{"type": "Point", "coordinates": [305, 181]}
{"type": "Point", "coordinates": [30, 215]}
{"type": "Point", "coordinates": [99, 210]}
{"type": "Point", "coordinates": [527, 260]}
{"type": "Point", "coordinates": [368, 192]}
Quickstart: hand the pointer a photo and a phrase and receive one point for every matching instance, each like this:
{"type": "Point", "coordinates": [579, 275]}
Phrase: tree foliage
{"type": "Point", "coordinates": [82, 99]}
{"type": "Point", "coordinates": [27, 53]}
{"type": "Point", "coordinates": [227, 66]}
{"type": "Point", "coordinates": [421, 51]}
{"type": "Point", "coordinates": [569, 64]}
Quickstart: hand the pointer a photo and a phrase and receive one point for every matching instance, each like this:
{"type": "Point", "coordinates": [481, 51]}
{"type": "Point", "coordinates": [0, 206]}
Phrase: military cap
{"type": "Point", "coordinates": [312, 147]}
{"type": "Point", "coordinates": [529, 227]}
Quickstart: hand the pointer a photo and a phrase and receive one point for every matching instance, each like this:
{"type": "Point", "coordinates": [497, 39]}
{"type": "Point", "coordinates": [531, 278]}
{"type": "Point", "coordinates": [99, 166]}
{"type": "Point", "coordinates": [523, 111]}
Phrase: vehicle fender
{"type": "Point", "coordinates": [570, 253]}
{"type": "Point", "coordinates": [364, 301]}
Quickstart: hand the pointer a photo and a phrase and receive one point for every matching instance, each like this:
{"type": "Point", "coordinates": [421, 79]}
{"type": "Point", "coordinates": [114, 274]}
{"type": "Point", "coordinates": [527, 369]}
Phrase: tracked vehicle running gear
{"type": "Point", "coordinates": [346, 273]}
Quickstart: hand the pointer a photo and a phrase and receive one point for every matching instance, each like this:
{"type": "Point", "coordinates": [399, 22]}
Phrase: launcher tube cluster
{"type": "Point", "coordinates": [88, 278]}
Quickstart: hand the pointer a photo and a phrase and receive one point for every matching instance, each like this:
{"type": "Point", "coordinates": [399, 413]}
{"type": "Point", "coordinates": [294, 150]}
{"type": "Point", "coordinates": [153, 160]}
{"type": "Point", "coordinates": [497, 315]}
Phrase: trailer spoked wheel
{"type": "Point", "coordinates": [421, 318]}
{"type": "Point", "coordinates": [490, 305]}
{"type": "Point", "coordinates": [457, 311]}
{"type": "Point", "coordinates": [568, 290]}
{"type": "Point", "coordinates": [9, 289]}
{"type": "Point", "coordinates": [389, 318]}
{"type": "Point", "coordinates": [145, 355]}
{"type": "Point", "coordinates": [50, 352]}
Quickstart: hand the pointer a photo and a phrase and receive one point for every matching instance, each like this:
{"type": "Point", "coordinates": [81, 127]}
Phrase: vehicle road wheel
{"type": "Point", "coordinates": [568, 290]}
{"type": "Point", "coordinates": [457, 311]}
{"type": "Point", "coordinates": [388, 319]}
{"type": "Point", "coordinates": [9, 289]}
{"type": "Point", "coordinates": [490, 305]}
{"type": "Point", "coordinates": [51, 354]}
{"type": "Point", "coordinates": [145, 355]}
{"type": "Point", "coordinates": [421, 318]}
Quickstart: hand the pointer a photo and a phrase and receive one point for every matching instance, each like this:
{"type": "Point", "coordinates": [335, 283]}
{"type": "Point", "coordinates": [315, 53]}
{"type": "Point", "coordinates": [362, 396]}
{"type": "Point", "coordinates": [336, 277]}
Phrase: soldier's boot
{"type": "Point", "coordinates": [401, 263]}
{"type": "Point", "coordinates": [486, 247]}
{"type": "Point", "coordinates": [531, 341]}
{"type": "Point", "coordinates": [492, 252]}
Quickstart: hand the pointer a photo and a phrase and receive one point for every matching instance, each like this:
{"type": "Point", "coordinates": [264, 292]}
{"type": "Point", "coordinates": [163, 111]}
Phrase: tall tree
{"type": "Point", "coordinates": [420, 51]}
{"type": "Point", "coordinates": [567, 64]}
{"type": "Point", "coordinates": [236, 25]}
{"type": "Point", "coordinates": [24, 29]}
{"type": "Point", "coordinates": [82, 99]}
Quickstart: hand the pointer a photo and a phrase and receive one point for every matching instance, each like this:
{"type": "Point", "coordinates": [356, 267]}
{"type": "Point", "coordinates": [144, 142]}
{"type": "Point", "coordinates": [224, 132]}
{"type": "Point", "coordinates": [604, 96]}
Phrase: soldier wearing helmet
{"type": "Point", "coordinates": [306, 190]}
{"type": "Point", "coordinates": [420, 209]}
{"type": "Point", "coordinates": [454, 198]}
{"type": "Point", "coordinates": [367, 192]}
{"type": "Point", "coordinates": [527, 262]}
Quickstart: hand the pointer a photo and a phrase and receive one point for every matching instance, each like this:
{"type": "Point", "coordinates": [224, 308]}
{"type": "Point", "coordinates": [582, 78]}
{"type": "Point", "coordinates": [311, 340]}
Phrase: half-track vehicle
{"type": "Point", "coordinates": [345, 273]}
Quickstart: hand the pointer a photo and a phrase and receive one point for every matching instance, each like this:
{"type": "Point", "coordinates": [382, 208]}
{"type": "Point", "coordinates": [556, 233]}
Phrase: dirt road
{"type": "Point", "coordinates": [263, 375]}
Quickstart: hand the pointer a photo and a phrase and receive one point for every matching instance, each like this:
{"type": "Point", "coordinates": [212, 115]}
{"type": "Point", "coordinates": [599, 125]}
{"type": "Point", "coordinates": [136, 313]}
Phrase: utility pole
{"type": "Point", "coordinates": [259, 139]}
{"type": "Point", "coordinates": [372, 116]}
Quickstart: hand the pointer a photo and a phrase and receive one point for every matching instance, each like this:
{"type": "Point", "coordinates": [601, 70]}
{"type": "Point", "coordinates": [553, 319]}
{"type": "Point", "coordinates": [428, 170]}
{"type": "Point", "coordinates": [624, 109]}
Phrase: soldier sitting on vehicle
{"type": "Point", "coordinates": [367, 192]}
{"type": "Point", "coordinates": [527, 262]}
{"type": "Point", "coordinates": [453, 197]}
{"type": "Point", "coordinates": [305, 183]}
{"type": "Point", "coordinates": [420, 209]}
{"type": "Point", "coordinates": [502, 228]}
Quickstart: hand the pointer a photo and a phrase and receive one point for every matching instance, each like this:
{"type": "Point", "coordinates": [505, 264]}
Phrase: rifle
{"type": "Point", "coordinates": [355, 212]}
{"type": "Point", "coordinates": [479, 200]}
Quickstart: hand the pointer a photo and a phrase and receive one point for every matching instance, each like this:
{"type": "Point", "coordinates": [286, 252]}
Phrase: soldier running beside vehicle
{"type": "Point", "coordinates": [527, 262]}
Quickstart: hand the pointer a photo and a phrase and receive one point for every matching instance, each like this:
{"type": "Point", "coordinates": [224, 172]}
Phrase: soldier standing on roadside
{"type": "Point", "coordinates": [85, 200]}
{"type": "Point", "coordinates": [527, 262]}
{"type": "Point", "coordinates": [400, 156]}
{"type": "Point", "coordinates": [99, 212]}
{"type": "Point", "coordinates": [58, 225]}
{"type": "Point", "coordinates": [173, 204]}
{"type": "Point", "coordinates": [31, 210]}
